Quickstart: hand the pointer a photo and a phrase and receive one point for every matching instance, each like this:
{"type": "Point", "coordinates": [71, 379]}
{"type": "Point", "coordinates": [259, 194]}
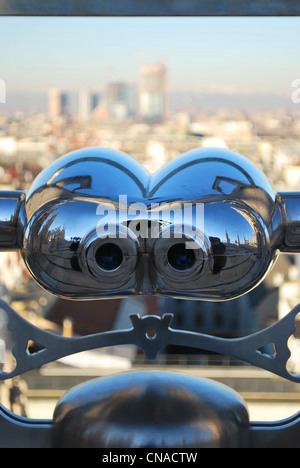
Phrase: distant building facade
{"type": "Point", "coordinates": [152, 93]}
{"type": "Point", "coordinates": [121, 100]}
{"type": "Point", "coordinates": [57, 103]}
{"type": "Point", "coordinates": [87, 103]}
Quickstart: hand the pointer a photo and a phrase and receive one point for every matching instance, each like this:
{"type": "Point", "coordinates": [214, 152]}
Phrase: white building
{"type": "Point", "coordinates": [152, 92]}
{"type": "Point", "coordinates": [57, 103]}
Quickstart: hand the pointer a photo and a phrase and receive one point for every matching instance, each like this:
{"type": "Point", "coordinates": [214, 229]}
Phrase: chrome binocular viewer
{"type": "Point", "coordinates": [95, 224]}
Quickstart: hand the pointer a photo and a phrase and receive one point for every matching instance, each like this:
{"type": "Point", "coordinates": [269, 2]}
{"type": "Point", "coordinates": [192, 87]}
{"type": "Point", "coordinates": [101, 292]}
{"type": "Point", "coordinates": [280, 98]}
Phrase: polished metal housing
{"type": "Point", "coordinates": [95, 224]}
{"type": "Point", "coordinates": [151, 409]}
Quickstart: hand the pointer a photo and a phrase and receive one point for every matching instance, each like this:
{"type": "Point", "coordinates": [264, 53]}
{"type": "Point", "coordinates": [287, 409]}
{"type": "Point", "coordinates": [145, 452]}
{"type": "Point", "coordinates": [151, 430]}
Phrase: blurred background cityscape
{"type": "Point", "coordinates": [146, 116]}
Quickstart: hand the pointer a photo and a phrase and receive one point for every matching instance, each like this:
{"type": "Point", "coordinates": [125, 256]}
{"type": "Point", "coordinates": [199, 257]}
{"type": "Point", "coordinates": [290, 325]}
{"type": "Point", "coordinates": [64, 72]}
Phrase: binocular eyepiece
{"type": "Point", "coordinates": [95, 224]}
{"type": "Point", "coordinates": [180, 258]}
{"type": "Point", "coordinates": [109, 257]}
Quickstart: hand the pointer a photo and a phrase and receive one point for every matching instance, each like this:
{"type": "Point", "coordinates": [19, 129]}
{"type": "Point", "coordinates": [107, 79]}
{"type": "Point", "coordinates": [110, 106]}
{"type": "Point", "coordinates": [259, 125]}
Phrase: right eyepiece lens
{"type": "Point", "coordinates": [181, 258]}
{"type": "Point", "coordinates": [109, 256]}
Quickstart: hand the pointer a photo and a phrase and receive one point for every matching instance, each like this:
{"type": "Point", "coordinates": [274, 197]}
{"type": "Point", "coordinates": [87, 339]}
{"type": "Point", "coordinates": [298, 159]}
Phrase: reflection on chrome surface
{"type": "Point", "coordinates": [95, 224]}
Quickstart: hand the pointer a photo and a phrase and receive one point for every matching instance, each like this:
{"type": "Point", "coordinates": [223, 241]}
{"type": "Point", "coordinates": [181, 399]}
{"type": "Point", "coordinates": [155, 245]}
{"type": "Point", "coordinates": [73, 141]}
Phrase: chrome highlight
{"type": "Point", "coordinates": [95, 224]}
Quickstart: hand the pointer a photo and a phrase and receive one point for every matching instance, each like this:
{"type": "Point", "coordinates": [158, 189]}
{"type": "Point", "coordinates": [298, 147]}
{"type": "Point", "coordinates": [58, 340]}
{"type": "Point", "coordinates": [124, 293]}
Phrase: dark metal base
{"type": "Point", "coordinates": [148, 409]}
{"type": "Point", "coordinates": [151, 409]}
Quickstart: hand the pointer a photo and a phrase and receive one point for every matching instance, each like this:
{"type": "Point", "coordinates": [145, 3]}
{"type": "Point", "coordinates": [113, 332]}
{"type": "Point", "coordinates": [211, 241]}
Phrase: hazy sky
{"type": "Point", "coordinates": [243, 54]}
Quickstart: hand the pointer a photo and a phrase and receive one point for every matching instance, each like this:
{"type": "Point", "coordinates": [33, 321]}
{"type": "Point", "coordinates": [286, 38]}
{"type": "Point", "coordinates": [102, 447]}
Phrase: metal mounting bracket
{"type": "Point", "coordinates": [151, 333]}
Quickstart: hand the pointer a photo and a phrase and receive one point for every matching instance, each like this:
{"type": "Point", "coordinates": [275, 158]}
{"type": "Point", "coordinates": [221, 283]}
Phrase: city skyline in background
{"type": "Point", "coordinates": [147, 100]}
{"type": "Point", "coordinates": [242, 62]}
{"type": "Point", "coordinates": [190, 82]}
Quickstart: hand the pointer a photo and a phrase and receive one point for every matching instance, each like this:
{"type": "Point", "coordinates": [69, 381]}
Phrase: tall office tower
{"type": "Point", "coordinates": [95, 98]}
{"type": "Point", "coordinates": [88, 102]}
{"type": "Point", "coordinates": [131, 100]}
{"type": "Point", "coordinates": [121, 100]}
{"type": "Point", "coordinates": [57, 103]}
{"type": "Point", "coordinates": [152, 92]}
{"type": "Point", "coordinates": [85, 104]}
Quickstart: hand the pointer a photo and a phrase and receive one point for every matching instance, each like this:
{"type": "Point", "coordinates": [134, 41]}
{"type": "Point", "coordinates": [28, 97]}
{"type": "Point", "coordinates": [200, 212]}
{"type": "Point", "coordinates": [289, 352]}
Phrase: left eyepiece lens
{"type": "Point", "coordinates": [109, 256]}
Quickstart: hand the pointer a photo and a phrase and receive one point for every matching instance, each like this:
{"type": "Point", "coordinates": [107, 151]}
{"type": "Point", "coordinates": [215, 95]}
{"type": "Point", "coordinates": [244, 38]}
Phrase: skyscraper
{"type": "Point", "coordinates": [88, 101]}
{"type": "Point", "coordinates": [152, 92]}
{"type": "Point", "coordinates": [57, 103]}
{"type": "Point", "coordinates": [85, 105]}
{"type": "Point", "coordinates": [121, 100]}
